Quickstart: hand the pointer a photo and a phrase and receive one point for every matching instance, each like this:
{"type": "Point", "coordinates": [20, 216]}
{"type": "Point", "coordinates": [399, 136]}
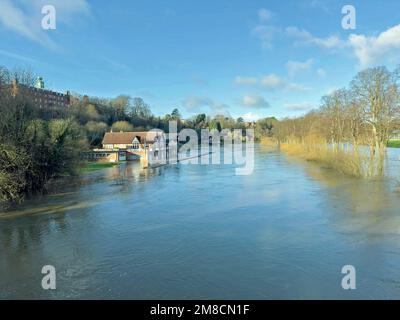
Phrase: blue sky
{"type": "Point", "coordinates": [242, 58]}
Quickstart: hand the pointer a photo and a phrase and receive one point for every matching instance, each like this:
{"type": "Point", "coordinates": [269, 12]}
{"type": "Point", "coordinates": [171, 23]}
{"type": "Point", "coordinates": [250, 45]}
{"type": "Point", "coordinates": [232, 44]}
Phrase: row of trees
{"type": "Point", "coordinates": [124, 113]}
{"type": "Point", "coordinates": [365, 113]}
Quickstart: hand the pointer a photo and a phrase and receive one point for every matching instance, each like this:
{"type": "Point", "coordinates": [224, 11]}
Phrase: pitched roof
{"type": "Point", "coordinates": [128, 137]}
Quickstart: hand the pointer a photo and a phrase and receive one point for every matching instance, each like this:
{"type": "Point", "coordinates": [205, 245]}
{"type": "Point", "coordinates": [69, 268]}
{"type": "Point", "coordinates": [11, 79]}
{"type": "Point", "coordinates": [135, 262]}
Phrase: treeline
{"type": "Point", "coordinates": [39, 145]}
{"type": "Point", "coordinates": [125, 113]}
{"type": "Point", "coordinates": [35, 147]}
{"type": "Point", "coordinates": [364, 114]}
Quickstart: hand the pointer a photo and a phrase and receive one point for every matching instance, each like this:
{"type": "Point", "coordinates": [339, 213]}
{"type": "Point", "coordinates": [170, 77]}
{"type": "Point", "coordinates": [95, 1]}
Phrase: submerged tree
{"type": "Point", "coordinates": [365, 114]}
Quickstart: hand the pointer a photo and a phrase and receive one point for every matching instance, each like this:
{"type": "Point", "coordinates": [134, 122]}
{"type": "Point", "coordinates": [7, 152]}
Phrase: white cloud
{"type": "Point", "coordinates": [371, 50]}
{"type": "Point", "coordinates": [266, 34]}
{"type": "Point", "coordinates": [304, 37]}
{"type": "Point", "coordinates": [246, 80]}
{"type": "Point", "coordinates": [271, 82]}
{"type": "Point", "coordinates": [292, 86]}
{"type": "Point", "coordinates": [331, 90]}
{"type": "Point", "coordinates": [14, 18]}
{"type": "Point", "coordinates": [219, 108]}
{"type": "Point", "coordinates": [193, 102]}
{"type": "Point", "coordinates": [24, 17]}
{"type": "Point", "coordinates": [254, 101]}
{"type": "Point", "coordinates": [250, 116]}
{"type": "Point", "coordinates": [197, 104]}
{"type": "Point", "coordinates": [321, 72]}
{"type": "Point", "coordinates": [295, 67]}
{"type": "Point", "coordinates": [264, 30]}
{"type": "Point", "coordinates": [302, 106]}
{"type": "Point", "coordinates": [264, 15]}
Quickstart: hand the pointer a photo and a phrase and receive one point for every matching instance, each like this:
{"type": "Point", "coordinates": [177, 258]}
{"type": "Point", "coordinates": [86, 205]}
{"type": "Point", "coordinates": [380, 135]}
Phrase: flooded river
{"type": "Point", "coordinates": [202, 232]}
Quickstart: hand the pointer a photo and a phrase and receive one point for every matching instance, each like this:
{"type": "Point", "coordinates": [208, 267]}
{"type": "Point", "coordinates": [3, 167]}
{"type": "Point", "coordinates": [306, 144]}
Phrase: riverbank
{"type": "Point", "coordinates": [353, 163]}
{"type": "Point", "coordinates": [394, 144]}
{"type": "Point", "coordinates": [94, 166]}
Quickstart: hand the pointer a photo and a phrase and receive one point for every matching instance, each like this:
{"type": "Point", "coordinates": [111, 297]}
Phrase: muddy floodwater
{"type": "Point", "coordinates": [202, 232]}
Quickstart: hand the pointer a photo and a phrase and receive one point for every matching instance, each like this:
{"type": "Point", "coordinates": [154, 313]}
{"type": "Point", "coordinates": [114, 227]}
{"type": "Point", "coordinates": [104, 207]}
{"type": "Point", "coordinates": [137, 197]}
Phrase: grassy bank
{"type": "Point", "coordinates": [347, 162]}
{"type": "Point", "coordinates": [93, 166]}
{"type": "Point", "coordinates": [267, 141]}
{"type": "Point", "coordinates": [394, 144]}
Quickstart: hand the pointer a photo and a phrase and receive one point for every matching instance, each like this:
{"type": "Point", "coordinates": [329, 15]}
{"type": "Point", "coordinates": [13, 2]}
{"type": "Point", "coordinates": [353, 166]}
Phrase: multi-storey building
{"type": "Point", "coordinates": [45, 99]}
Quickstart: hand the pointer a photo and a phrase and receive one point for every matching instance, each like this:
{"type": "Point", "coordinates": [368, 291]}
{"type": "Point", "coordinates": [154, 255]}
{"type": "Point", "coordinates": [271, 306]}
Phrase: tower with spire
{"type": "Point", "coordinates": [39, 83]}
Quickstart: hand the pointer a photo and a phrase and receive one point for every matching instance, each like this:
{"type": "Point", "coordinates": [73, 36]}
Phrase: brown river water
{"type": "Point", "coordinates": [202, 232]}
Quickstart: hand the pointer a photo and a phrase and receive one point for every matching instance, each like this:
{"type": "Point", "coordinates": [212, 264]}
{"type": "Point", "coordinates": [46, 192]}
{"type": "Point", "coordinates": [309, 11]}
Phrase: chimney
{"type": "Point", "coordinates": [68, 94]}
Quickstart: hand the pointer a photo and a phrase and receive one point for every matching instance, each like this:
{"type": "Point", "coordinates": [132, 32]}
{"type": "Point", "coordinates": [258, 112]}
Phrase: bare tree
{"type": "Point", "coordinates": [377, 93]}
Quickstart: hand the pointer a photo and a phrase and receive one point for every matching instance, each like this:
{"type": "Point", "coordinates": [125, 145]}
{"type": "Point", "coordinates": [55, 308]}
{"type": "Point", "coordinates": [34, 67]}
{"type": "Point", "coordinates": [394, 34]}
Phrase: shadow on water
{"type": "Point", "coordinates": [64, 196]}
{"type": "Point", "coordinates": [30, 233]}
{"type": "Point", "coordinates": [369, 206]}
